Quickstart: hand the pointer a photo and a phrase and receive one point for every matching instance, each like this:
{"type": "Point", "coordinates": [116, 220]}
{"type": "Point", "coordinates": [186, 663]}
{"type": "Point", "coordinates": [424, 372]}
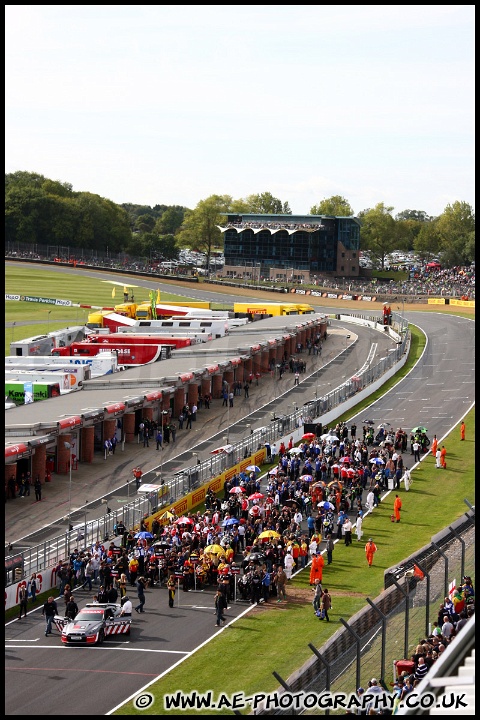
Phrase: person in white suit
{"type": "Point", "coordinates": [289, 563]}
{"type": "Point", "coordinates": [358, 525]}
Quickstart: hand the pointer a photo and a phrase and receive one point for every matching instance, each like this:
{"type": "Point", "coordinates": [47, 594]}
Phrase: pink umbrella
{"type": "Point", "coordinates": [183, 521]}
{"type": "Point", "coordinates": [256, 496]}
{"type": "Point", "coordinates": [236, 490]}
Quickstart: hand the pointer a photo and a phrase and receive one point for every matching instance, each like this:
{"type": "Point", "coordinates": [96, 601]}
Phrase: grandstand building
{"type": "Point", "coordinates": [290, 247]}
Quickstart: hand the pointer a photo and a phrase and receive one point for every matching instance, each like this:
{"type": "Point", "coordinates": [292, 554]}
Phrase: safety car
{"type": "Point", "coordinates": [93, 624]}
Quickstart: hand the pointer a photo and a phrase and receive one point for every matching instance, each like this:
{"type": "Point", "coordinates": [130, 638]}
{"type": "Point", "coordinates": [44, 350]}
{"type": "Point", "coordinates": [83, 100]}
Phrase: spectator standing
{"type": "Point", "coordinates": [397, 506]}
{"type": "Point", "coordinates": [330, 548]}
{"type": "Point", "coordinates": [316, 571]}
{"type": "Point", "coordinates": [220, 607]}
{"type": "Point", "coordinates": [407, 479]}
{"type": "Point", "coordinates": [141, 585]}
{"type": "Point", "coordinates": [22, 601]}
{"type": "Point", "coordinates": [71, 610]}
{"type": "Point", "coordinates": [280, 583]}
{"type": "Point", "coordinates": [127, 607]}
{"type": "Point", "coordinates": [49, 611]}
{"type": "Point", "coordinates": [137, 475]}
{"type": "Point", "coordinates": [326, 604]}
{"type": "Point", "coordinates": [289, 563]}
{"type": "Point", "coordinates": [447, 628]}
{"type": "Point", "coordinates": [89, 570]}
{"type": "Point", "coordinates": [359, 525]}
{"type": "Point", "coordinates": [347, 530]}
{"type": "Point", "coordinates": [443, 457]}
{"type": "Point", "coordinates": [317, 597]}
{"type": "Point", "coordinates": [146, 436]}
{"type": "Point", "coordinates": [416, 450]}
{"type": "Point", "coordinates": [462, 430]}
{"type": "Point", "coordinates": [159, 439]}
{"type": "Point", "coordinates": [370, 550]}
{"type": "Point", "coordinates": [171, 587]}
{"type": "Point", "coordinates": [421, 669]}
{"type": "Point", "coordinates": [38, 488]}
{"type": "Point", "coordinates": [33, 587]}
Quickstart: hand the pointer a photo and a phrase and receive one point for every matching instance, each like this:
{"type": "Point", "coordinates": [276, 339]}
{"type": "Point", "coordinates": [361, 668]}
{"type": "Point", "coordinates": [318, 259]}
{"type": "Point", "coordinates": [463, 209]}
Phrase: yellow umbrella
{"type": "Point", "coordinates": [270, 534]}
{"type": "Point", "coordinates": [214, 550]}
{"type": "Point", "coordinates": [167, 515]}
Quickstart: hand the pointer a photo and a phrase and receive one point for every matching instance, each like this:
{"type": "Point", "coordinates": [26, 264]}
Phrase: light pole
{"type": "Point", "coordinates": [69, 447]}
{"type": "Point", "coordinates": [48, 321]}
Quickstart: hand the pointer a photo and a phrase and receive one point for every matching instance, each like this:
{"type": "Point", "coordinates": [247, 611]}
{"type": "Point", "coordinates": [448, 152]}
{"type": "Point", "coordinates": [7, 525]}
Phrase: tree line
{"type": "Point", "coordinates": [49, 212]}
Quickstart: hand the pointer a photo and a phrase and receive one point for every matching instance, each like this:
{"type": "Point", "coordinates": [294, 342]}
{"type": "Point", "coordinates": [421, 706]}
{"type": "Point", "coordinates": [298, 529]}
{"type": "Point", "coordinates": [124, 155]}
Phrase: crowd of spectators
{"type": "Point", "coordinates": [452, 282]}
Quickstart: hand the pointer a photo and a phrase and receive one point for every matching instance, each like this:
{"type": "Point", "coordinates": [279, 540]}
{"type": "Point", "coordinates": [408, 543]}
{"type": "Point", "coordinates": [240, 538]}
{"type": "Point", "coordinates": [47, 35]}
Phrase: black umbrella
{"type": "Point", "coordinates": [293, 501]}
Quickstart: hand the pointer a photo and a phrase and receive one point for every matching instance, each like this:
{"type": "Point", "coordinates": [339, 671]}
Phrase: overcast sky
{"type": "Point", "coordinates": [171, 104]}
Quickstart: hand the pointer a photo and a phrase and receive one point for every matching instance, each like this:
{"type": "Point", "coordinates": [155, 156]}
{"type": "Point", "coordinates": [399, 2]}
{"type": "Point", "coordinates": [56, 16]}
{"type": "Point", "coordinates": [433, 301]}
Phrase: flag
{"type": "Point", "coordinates": [418, 573]}
{"type": "Point", "coordinates": [125, 290]}
{"type": "Point", "coordinates": [158, 295]}
{"type": "Point", "coordinates": [113, 293]}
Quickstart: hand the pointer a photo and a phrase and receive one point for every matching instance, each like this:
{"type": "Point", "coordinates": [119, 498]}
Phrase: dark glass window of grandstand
{"type": "Point", "coordinates": [303, 242]}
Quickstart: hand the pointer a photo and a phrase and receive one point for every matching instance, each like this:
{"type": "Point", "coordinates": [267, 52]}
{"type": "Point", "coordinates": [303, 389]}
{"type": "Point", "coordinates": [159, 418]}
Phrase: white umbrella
{"type": "Point", "coordinates": [295, 451]}
{"type": "Point", "coordinates": [377, 461]}
{"type": "Point", "coordinates": [331, 438]}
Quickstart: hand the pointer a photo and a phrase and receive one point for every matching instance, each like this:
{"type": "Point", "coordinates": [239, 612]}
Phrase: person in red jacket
{"type": "Point", "coordinates": [316, 571]}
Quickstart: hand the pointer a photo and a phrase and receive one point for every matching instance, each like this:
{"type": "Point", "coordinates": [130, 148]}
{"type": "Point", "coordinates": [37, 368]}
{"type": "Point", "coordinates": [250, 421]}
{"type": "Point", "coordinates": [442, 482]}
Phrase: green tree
{"type": "Point", "coordinates": [260, 204]}
{"type": "Point", "coordinates": [335, 205]}
{"type": "Point", "coordinates": [378, 233]}
{"type": "Point", "coordinates": [200, 230]}
{"type": "Point", "coordinates": [427, 242]}
{"type": "Point", "coordinates": [145, 223]}
{"type": "Point", "coordinates": [451, 236]}
{"type": "Point", "coordinates": [456, 231]}
{"type": "Point", "coordinates": [170, 221]}
{"type": "Point", "coordinates": [418, 215]}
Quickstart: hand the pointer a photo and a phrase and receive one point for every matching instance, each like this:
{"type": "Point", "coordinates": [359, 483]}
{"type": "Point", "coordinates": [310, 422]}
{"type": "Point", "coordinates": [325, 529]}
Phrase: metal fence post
{"type": "Point", "coordinates": [405, 595]}
{"type": "Point", "coordinates": [327, 668]}
{"type": "Point", "coordinates": [445, 581]}
{"type": "Point", "coordinates": [462, 541]}
{"type": "Point", "coordinates": [384, 637]}
{"type": "Point", "coordinates": [357, 643]}
{"type": "Point", "coordinates": [285, 686]}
